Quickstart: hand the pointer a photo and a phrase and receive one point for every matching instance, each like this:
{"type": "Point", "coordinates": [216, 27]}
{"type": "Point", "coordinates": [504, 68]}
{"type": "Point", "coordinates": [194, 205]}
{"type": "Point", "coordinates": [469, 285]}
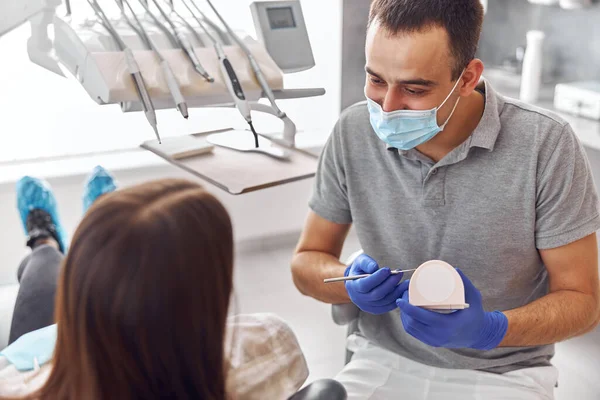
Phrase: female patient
{"type": "Point", "coordinates": [142, 304]}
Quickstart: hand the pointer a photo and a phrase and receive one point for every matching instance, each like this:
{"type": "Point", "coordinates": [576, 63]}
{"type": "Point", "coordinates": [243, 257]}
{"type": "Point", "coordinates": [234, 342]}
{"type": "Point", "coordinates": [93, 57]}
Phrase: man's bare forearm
{"type": "Point", "coordinates": [309, 268]}
{"type": "Point", "coordinates": [553, 318]}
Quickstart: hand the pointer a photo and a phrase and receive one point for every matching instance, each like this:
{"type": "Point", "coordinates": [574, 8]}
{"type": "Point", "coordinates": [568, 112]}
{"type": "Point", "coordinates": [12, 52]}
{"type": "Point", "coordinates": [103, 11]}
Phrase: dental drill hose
{"type": "Point", "coordinates": [254, 133]}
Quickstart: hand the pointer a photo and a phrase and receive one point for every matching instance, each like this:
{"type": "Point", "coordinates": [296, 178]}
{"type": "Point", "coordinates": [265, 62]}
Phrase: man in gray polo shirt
{"type": "Point", "coordinates": [438, 165]}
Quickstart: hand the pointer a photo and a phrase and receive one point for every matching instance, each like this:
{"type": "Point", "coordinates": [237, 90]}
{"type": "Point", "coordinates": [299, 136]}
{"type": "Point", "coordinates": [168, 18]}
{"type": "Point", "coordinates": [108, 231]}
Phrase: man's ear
{"type": "Point", "coordinates": [471, 77]}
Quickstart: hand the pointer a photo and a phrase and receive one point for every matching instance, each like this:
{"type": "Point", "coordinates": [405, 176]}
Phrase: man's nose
{"type": "Point", "coordinates": [393, 101]}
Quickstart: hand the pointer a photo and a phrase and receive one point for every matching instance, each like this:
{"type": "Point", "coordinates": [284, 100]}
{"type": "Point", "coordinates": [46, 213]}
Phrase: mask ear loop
{"type": "Point", "coordinates": [455, 105]}
{"type": "Point", "coordinates": [452, 91]}
{"type": "Point", "coordinates": [450, 116]}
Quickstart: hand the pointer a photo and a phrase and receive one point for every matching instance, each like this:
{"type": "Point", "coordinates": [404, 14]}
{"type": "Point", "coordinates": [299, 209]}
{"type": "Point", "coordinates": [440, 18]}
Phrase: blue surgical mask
{"type": "Point", "coordinates": [33, 349]}
{"type": "Point", "coordinates": [407, 129]}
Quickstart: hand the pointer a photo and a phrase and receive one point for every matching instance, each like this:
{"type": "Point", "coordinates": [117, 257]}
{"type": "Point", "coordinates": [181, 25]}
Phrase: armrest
{"type": "Point", "coordinates": [344, 314]}
{"type": "Point", "coordinates": [325, 389]}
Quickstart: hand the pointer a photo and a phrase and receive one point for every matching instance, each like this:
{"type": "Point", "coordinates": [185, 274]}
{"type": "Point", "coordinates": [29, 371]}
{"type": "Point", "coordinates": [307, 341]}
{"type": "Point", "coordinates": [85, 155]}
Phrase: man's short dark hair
{"type": "Point", "coordinates": [462, 20]}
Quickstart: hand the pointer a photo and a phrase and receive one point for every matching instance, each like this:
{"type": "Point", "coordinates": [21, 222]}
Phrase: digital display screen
{"type": "Point", "coordinates": [281, 17]}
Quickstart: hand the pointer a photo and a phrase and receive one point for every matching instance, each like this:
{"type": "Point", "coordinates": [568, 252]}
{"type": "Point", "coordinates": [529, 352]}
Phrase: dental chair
{"type": "Point", "coordinates": [324, 389]}
{"type": "Point", "coordinates": [347, 314]}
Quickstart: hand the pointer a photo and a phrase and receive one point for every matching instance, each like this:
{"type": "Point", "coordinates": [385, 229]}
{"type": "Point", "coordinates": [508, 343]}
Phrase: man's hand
{"type": "Point", "coordinates": [469, 328]}
{"type": "Point", "coordinates": [376, 294]}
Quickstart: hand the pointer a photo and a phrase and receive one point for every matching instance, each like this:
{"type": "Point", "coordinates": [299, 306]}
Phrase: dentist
{"type": "Point", "coordinates": [438, 165]}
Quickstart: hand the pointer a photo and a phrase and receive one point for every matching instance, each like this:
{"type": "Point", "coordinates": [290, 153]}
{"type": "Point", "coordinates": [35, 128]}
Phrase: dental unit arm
{"type": "Point", "coordinates": [83, 49]}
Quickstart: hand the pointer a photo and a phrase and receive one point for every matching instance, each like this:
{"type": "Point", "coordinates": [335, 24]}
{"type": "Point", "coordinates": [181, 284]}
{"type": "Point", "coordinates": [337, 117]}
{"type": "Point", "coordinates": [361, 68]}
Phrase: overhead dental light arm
{"type": "Point", "coordinates": [15, 13]}
{"type": "Point", "coordinates": [40, 14]}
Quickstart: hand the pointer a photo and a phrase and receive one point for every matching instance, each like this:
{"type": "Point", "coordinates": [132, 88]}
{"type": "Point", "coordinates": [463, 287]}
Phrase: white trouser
{"type": "Point", "coordinates": [375, 373]}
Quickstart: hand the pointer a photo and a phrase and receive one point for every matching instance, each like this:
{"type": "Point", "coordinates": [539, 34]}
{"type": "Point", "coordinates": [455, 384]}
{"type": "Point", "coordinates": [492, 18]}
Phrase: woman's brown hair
{"type": "Point", "coordinates": [143, 298]}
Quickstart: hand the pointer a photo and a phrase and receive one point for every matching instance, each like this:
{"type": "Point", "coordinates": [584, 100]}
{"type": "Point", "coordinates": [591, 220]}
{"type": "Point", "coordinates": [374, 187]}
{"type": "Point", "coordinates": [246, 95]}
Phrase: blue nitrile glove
{"type": "Point", "coordinates": [376, 294]}
{"type": "Point", "coordinates": [469, 328]}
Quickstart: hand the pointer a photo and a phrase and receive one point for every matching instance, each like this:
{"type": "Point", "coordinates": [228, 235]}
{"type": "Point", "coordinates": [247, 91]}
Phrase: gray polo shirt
{"type": "Point", "coordinates": [521, 182]}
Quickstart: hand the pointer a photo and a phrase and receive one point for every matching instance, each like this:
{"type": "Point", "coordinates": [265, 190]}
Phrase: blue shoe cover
{"type": "Point", "coordinates": [34, 193]}
{"type": "Point", "coordinates": [99, 182]}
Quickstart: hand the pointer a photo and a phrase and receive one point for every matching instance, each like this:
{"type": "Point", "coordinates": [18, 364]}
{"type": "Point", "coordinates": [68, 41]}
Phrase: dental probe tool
{"type": "Point", "coordinates": [164, 65]}
{"type": "Point", "coordinates": [185, 45]}
{"type": "Point", "coordinates": [132, 65]}
{"type": "Point", "coordinates": [229, 76]}
{"type": "Point", "coordinates": [253, 63]}
{"type": "Point", "coordinates": [355, 277]}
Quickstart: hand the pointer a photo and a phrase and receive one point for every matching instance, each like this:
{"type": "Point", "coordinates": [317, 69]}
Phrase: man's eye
{"type": "Point", "coordinates": [376, 81]}
{"type": "Point", "coordinates": [414, 91]}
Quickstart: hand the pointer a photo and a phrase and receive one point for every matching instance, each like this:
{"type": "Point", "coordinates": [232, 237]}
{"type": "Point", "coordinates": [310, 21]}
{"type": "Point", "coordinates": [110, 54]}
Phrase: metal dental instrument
{"type": "Point", "coordinates": [208, 22]}
{"type": "Point", "coordinates": [222, 35]}
{"type": "Point", "coordinates": [159, 24]}
{"type": "Point", "coordinates": [355, 277]}
{"type": "Point", "coordinates": [164, 65]}
{"type": "Point", "coordinates": [131, 25]}
{"type": "Point", "coordinates": [229, 76]}
{"type": "Point", "coordinates": [255, 67]}
{"type": "Point", "coordinates": [186, 23]}
{"type": "Point", "coordinates": [132, 65]}
{"type": "Point", "coordinates": [185, 44]}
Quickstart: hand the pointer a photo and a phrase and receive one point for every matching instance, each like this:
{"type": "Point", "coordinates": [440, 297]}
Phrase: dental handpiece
{"type": "Point", "coordinates": [142, 91]}
{"type": "Point", "coordinates": [132, 66]}
{"type": "Point", "coordinates": [229, 76]}
{"type": "Point", "coordinates": [172, 83]}
{"type": "Point", "coordinates": [260, 77]}
{"type": "Point", "coordinates": [237, 93]}
{"type": "Point", "coordinates": [185, 45]}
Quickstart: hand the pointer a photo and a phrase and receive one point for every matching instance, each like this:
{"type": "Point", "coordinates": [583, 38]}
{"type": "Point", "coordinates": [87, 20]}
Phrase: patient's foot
{"type": "Point", "coordinates": [41, 230]}
{"type": "Point", "coordinates": [39, 213]}
{"type": "Point", "coordinates": [98, 183]}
